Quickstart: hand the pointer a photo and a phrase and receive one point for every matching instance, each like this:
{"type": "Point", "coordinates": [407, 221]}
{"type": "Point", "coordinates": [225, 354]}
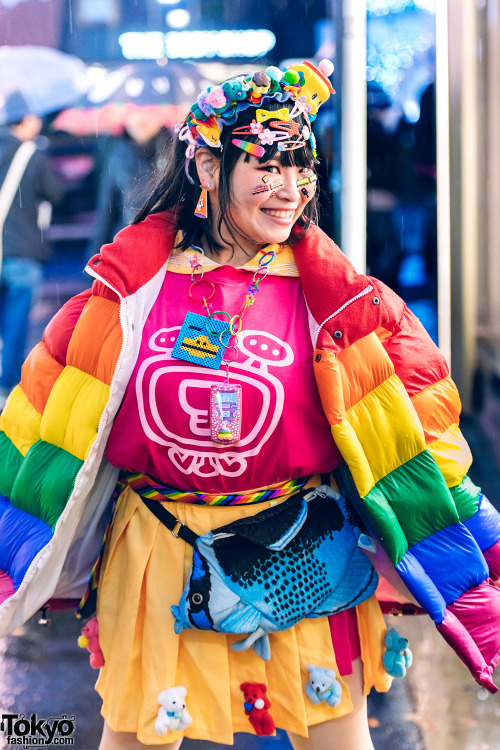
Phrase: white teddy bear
{"type": "Point", "coordinates": [172, 713]}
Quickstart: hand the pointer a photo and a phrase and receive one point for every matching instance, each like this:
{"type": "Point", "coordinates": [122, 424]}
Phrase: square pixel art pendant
{"type": "Point", "coordinates": [199, 340]}
{"type": "Point", "coordinates": [225, 413]}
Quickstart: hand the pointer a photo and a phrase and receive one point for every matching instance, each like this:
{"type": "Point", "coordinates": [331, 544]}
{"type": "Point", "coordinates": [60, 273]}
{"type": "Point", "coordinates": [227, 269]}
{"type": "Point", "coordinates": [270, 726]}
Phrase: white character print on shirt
{"type": "Point", "coordinates": [185, 429]}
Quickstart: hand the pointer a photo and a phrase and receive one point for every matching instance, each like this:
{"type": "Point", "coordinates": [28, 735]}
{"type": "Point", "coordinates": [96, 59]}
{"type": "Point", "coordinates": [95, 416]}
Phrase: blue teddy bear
{"type": "Point", "coordinates": [397, 657]}
{"type": "Point", "coordinates": [234, 91]}
{"type": "Point", "coordinates": [323, 686]}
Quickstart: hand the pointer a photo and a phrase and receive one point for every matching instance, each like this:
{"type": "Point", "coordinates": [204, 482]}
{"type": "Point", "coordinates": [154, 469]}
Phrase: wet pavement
{"type": "Point", "coordinates": [437, 705]}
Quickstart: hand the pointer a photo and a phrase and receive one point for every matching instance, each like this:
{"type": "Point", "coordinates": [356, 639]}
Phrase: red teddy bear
{"type": "Point", "coordinates": [89, 639]}
{"type": "Point", "coordinates": [256, 708]}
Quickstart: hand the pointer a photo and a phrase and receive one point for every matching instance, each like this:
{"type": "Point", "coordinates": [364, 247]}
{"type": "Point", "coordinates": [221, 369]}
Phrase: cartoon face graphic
{"type": "Point", "coordinates": [185, 432]}
{"type": "Point", "coordinates": [200, 347]}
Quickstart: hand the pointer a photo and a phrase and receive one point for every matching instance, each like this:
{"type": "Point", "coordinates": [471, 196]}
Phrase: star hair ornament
{"type": "Point", "coordinates": [220, 106]}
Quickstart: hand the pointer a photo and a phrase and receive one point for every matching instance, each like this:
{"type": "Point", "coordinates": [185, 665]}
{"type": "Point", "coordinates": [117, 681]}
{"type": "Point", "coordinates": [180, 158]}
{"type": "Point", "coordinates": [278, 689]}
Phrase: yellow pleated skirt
{"type": "Point", "coordinates": [143, 573]}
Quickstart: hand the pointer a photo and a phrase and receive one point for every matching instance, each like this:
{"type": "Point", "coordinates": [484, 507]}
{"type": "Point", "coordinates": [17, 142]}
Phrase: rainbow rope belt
{"type": "Point", "coordinates": [149, 488]}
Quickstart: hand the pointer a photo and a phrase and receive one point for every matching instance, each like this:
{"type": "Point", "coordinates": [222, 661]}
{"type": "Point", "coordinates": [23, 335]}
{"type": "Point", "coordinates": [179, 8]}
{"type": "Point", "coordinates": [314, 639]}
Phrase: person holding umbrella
{"type": "Point", "coordinates": [34, 81]}
{"type": "Point", "coordinates": [129, 166]}
{"type": "Point", "coordinates": [27, 184]}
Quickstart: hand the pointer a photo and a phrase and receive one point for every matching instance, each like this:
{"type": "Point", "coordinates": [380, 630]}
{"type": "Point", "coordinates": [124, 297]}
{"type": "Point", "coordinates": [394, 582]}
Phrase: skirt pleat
{"type": "Point", "coordinates": [143, 574]}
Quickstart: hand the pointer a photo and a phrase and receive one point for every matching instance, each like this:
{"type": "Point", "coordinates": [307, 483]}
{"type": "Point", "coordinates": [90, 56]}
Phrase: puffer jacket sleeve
{"type": "Point", "coordinates": [452, 535]}
{"type": "Point", "coordinates": [393, 412]}
{"type": "Point", "coordinates": [56, 485]}
{"type": "Point", "coordinates": [424, 372]}
{"type": "Point", "coordinates": [26, 523]}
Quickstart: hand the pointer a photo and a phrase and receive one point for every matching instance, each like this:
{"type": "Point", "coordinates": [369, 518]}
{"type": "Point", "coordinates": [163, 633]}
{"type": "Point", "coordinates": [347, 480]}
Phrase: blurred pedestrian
{"type": "Point", "coordinates": [28, 188]}
{"type": "Point", "coordinates": [129, 166]}
{"type": "Point", "coordinates": [383, 244]}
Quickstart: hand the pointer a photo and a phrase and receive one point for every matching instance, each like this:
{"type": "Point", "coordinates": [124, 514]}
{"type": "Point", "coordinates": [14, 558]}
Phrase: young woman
{"type": "Point", "coordinates": [227, 358]}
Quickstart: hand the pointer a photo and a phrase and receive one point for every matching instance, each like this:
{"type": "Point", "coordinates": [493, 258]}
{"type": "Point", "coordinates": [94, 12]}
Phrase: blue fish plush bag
{"type": "Point", "coordinates": [265, 573]}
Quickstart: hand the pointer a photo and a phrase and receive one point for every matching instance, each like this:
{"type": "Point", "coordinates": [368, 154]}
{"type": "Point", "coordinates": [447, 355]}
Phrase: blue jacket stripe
{"type": "Point", "coordinates": [25, 535]}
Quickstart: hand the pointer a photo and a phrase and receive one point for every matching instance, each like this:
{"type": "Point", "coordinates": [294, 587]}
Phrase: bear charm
{"type": "Point", "coordinates": [172, 713]}
{"type": "Point", "coordinates": [257, 705]}
{"type": "Point", "coordinates": [323, 686]}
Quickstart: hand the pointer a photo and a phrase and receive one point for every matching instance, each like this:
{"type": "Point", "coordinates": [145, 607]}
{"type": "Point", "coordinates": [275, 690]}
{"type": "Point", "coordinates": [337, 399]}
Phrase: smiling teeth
{"type": "Point", "coordinates": [278, 214]}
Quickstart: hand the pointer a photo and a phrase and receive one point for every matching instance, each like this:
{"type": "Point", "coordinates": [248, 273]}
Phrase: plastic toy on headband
{"type": "Point", "coordinates": [219, 106]}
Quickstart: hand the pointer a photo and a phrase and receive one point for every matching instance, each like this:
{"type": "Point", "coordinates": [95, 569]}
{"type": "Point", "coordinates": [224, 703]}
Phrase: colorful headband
{"type": "Point", "coordinates": [218, 106]}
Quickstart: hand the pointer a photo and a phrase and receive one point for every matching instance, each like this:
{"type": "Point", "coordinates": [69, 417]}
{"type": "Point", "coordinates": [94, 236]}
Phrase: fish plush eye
{"type": "Point", "coordinates": [197, 598]}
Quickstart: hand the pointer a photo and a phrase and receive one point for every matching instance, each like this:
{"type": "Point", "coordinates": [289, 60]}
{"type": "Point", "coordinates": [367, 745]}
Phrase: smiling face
{"type": "Point", "coordinates": [261, 214]}
{"type": "Point", "coordinates": [242, 212]}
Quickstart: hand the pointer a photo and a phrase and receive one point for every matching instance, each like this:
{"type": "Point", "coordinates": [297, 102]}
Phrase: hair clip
{"type": "Point", "coordinates": [250, 148]}
{"type": "Point", "coordinates": [280, 114]}
{"type": "Point", "coordinates": [254, 128]}
{"type": "Point", "coordinates": [291, 128]}
{"type": "Point", "coordinates": [290, 145]}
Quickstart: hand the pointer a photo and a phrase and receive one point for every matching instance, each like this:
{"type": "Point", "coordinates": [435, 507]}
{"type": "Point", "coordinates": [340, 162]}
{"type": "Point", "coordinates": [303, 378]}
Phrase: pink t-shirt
{"type": "Point", "coordinates": [163, 426]}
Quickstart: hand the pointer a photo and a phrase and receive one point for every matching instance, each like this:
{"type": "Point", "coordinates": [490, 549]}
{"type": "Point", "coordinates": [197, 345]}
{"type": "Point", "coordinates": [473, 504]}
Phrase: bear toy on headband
{"type": "Point", "coordinates": [220, 105]}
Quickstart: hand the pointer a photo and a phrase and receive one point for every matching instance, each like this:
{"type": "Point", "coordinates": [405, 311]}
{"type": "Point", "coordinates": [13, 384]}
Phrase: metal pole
{"type": "Point", "coordinates": [353, 200]}
{"type": "Point", "coordinates": [464, 191]}
{"type": "Point", "coordinates": [443, 180]}
{"type": "Point", "coordinates": [491, 258]}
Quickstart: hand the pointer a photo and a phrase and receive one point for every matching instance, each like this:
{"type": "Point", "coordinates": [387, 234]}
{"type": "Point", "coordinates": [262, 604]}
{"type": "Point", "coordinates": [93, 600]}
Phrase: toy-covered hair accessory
{"type": "Point", "coordinates": [218, 106]}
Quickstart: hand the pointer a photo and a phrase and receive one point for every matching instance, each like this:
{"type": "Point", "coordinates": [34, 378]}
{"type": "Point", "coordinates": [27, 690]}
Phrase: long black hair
{"type": "Point", "coordinates": [175, 191]}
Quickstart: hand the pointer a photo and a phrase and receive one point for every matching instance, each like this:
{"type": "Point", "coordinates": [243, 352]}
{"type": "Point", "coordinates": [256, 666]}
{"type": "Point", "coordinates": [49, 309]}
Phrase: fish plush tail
{"type": "Point", "coordinates": [178, 625]}
{"type": "Point", "coordinates": [259, 640]}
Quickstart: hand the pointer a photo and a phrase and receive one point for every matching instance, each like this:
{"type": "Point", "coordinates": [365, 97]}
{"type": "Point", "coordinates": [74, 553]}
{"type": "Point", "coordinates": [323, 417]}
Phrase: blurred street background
{"type": "Point", "coordinates": [410, 179]}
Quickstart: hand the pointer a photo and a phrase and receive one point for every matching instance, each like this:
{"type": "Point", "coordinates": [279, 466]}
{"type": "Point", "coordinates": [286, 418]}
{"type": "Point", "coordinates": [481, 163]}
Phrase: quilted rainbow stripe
{"type": "Point", "coordinates": [49, 425]}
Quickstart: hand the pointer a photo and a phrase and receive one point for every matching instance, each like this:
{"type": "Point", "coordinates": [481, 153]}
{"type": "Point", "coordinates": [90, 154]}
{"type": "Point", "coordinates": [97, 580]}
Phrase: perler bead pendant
{"type": "Point", "coordinates": [198, 340]}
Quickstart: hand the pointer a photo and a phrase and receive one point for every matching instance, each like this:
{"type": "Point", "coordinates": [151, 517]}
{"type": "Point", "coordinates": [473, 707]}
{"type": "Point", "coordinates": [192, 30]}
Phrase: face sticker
{"type": "Point", "coordinates": [310, 179]}
{"type": "Point", "coordinates": [272, 186]}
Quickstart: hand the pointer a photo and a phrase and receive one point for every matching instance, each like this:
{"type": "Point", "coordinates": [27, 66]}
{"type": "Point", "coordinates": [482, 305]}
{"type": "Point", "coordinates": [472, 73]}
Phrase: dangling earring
{"type": "Point", "coordinates": [202, 206]}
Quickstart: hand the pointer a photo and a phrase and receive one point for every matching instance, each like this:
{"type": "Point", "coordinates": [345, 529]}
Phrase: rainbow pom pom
{"type": "Point", "coordinates": [251, 148]}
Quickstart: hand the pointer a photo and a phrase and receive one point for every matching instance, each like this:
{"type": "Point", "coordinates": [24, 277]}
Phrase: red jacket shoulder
{"type": "Point", "coordinates": [136, 254]}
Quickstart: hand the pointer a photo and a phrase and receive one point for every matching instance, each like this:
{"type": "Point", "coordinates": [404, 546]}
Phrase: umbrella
{"type": "Point", "coordinates": [38, 80]}
{"type": "Point", "coordinates": [164, 91]}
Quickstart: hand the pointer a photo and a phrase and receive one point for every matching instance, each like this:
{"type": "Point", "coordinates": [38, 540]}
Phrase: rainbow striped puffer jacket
{"type": "Point", "coordinates": [385, 390]}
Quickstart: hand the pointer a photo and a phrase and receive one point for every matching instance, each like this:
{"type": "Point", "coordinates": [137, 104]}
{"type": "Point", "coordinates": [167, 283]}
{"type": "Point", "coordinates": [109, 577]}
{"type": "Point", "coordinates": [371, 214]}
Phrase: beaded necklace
{"type": "Point", "coordinates": [207, 340]}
